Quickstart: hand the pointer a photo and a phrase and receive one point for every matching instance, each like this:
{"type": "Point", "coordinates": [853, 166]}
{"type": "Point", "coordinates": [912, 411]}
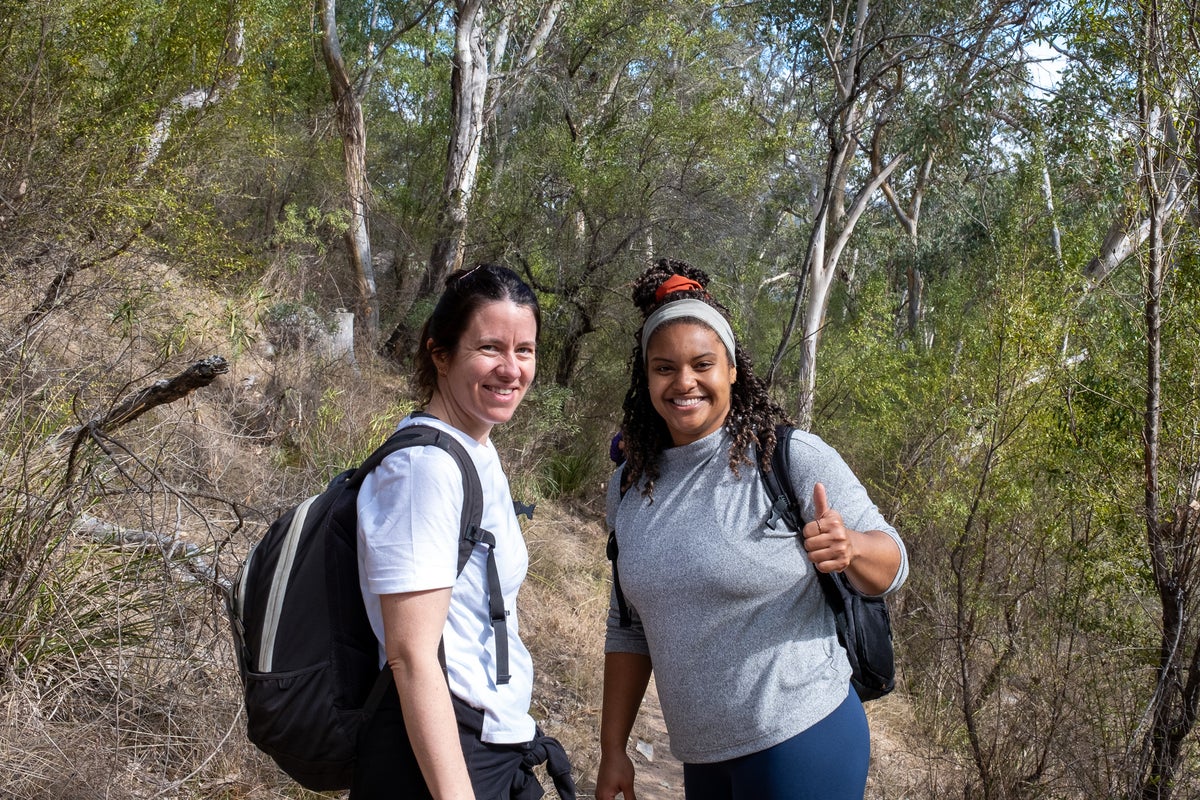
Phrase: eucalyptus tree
{"type": "Point", "coordinates": [964, 440]}
{"type": "Point", "coordinates": [875, 95]}
{"type": "Point", "coordinates": [1151, 49]}
{"type": "Point", "coordinates": [471, 109]}
{"type": "Point", "coordinates": [381, 26]}
{"type": "Point", "coordinates": [1123, 143]}
{"type": "Point", "coordinates": [639, 141]}
{"type": "Point", "coordinates": [493, 48]}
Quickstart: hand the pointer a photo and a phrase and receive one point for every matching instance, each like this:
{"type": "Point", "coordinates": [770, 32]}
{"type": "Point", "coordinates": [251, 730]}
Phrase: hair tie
{"type": "Point", "coordinates": [676, 283]}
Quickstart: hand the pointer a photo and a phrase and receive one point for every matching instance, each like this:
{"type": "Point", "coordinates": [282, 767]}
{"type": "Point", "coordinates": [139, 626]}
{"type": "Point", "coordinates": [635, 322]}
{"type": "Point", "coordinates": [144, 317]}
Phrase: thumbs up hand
{"type": "Point", "coordinates": [826, 538]}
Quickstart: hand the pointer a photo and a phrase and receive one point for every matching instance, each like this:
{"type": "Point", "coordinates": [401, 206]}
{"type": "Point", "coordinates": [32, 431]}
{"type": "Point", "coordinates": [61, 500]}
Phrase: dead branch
{"type": "Point", "coordinates": [197, 376]}
{"type": "Point", "coordinates": [191, 556]}
{"type": "Point", "coordinates": [53, 295]}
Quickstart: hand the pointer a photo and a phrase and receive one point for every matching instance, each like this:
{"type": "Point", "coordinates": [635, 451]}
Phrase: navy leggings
{"type": "Point", "coordinates": [826, 762]}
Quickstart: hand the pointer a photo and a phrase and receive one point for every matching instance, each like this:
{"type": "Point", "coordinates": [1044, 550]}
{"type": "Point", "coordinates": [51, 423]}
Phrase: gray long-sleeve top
{"type": "Point", "coordinates": [742, 641]}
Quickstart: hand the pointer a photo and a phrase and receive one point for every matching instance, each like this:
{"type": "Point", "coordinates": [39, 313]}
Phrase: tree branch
{"type": "Point", "coordinates": [197, 376]}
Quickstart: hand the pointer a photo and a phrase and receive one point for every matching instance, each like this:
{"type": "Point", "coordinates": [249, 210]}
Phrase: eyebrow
{"type": "Point", "coordinates": [709, 354]}
{"type": "Point", "coordinates": [502, 339]}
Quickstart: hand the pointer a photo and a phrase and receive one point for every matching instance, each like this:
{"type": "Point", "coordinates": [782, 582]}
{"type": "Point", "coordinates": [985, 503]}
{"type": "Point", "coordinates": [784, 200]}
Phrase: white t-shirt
{"type": "Point", "coordinates": [409, 509]}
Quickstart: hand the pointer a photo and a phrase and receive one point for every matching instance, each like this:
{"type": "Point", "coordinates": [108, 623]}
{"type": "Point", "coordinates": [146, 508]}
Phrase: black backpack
{"type": "Point", "coordinates": [308, 658]}
{"type": "Point", "coordinates": [864, 627]}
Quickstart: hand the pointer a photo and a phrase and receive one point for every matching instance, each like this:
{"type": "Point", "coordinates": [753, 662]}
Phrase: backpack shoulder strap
{"type": "Point", "coordinates": [785, 506]}
{"type": "Point", "coordinates": [471, 530]}
{"type": "Point", "coordinates": [612, 551]}
{"type": "Point", "coordinates": [427, 436]}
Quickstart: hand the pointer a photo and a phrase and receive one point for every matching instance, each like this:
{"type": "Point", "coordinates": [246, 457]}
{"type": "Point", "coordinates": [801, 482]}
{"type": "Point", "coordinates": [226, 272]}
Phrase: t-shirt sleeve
{"type": "Point", "coordinates": [628, 639]}
{"type": "Point", "coordinates": [409, 509]}
{"type": "Point", "coordinates": [814, 461]}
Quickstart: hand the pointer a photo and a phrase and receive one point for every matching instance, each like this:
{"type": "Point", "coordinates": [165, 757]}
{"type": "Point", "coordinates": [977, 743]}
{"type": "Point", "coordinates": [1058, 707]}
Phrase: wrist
{"type": "Point", "coordinates": [853, 546]}
{"type": "Point", "coordinates": [613, 748]}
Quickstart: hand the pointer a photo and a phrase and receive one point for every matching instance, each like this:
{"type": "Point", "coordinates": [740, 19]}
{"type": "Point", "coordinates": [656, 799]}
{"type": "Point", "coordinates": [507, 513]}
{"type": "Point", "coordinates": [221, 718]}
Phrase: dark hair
{"type": "Point", "coordinates": [466, 291]}
{"type": "Point", "coordinates": [752, 414]}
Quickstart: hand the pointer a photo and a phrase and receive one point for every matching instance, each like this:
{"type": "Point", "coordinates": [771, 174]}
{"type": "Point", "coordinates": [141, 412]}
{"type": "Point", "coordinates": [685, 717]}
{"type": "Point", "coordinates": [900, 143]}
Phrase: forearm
{"type": "Point", "coordinates": [874, 563]}
{"type": "Point", "coordinates": [626, 676]}
{"type": "Point", "coordinates": [432, 728]}
{"type": "Point", "coordinates": [412, 632]}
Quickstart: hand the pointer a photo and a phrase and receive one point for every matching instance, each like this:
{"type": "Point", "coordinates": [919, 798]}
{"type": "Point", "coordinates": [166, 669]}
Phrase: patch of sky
{"type": "Point", "coordinates": [1046, 64]}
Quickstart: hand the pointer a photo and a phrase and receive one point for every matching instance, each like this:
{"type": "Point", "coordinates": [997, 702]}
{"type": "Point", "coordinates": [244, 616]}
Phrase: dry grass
{"type": "Point", "coordinates": [563, 606]}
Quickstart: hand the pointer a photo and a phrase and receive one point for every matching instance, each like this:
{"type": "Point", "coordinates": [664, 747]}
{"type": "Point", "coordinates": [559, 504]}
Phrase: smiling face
{"type": "Point", "coordinates": [689, 378]}
{"type": "Point", "coordinates": [483, 381]}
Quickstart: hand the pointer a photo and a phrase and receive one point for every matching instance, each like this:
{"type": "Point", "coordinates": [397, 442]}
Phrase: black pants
{"type": "Point", "coordinates": [387, 769]}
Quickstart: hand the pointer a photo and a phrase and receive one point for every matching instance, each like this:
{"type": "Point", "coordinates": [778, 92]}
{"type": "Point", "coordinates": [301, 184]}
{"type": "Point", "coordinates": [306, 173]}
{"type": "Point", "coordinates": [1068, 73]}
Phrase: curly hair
{"type": "Point", "coordinates": [752, 414]}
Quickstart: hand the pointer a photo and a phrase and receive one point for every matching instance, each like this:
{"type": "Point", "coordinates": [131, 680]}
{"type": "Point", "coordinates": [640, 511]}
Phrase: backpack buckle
{"type": "Point", "coordinates": [478, 535]}
{"type": "Point", "coordinates": [778, 509]}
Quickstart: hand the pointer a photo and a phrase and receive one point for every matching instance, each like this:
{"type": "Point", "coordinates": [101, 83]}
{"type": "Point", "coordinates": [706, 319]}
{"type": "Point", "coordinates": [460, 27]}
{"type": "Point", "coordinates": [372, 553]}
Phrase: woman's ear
{"type": "Point", "coordinates": [441, 359]}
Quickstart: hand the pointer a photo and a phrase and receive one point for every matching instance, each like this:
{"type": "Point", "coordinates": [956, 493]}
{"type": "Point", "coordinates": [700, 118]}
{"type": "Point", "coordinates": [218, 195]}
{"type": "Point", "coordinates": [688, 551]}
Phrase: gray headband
{"type": "Point", "coordinates": [690, 308]}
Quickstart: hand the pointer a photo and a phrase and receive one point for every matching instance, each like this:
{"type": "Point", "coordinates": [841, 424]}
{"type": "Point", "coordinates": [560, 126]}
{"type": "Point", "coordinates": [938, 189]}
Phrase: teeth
{"type": "Point", "coordinates": [687, 402]}
{"type": "Point", "coordinates": [504, 392]}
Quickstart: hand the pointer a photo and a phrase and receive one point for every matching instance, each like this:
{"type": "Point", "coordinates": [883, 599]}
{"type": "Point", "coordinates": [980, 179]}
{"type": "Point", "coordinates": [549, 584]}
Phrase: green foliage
{"type": "Point", "coordinates": [310, 226]}
{"type": "Point", "coordinates": [239, 328]}
{"type": "Point", "coordinates": [644, 126]}
{"type": "Point", "coordinates": [175, 340]}
{"type": "Point", "coordinates": [330, 430]}
{"type": "Point", "coordinates": [125, 316]}
{"type": "Point", "coordinates": [570, 474]}
{"type": "Point", "coordinates": [550, 453]}
{"type": "Point", "coordinates": [63, 599]}
{"type": "Point", "coordinates": [313, 446]}
{"type": "Point", "coordinates": [384, 422]}
{"type": "Point", "coordinates": [92, 600]}
{"type": "Point", "coordinates": [1010, 469]}
{"type": "Point", "coordinates": [30, 538]}
{"type": "Point", "coordinates": [546, 414]}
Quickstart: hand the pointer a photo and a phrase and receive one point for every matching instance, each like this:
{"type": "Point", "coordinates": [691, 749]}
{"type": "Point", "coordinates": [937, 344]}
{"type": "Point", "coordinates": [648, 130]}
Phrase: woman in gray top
{"type": "Point", "coordinates": [726, 611]}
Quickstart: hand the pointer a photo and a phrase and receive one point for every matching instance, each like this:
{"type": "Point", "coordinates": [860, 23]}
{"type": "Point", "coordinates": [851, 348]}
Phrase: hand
{"type": "Point", "coordinates": [615, 777]}
{"type": "Point", "coordinates": [826, 538]}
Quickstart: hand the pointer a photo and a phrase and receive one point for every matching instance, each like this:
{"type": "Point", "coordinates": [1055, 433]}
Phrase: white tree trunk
{"type": "Point", "coordinates": [1048, 196]}
{"type": "Point", "coordinates": [228, 77]}
{"type": "Point", "coordinates": [353, 129]}
{"type": "Point", "coordinates": [821, 266]}
{"type": "Point", "coordinates": [468, 80]}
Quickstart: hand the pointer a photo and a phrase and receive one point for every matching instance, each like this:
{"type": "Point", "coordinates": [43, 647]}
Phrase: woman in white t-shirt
{"type": "Point", "coordinates": [457, 727]}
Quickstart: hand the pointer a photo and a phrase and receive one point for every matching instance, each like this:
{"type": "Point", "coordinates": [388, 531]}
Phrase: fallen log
{"type": "Point", "coordinates": [192, 557]}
